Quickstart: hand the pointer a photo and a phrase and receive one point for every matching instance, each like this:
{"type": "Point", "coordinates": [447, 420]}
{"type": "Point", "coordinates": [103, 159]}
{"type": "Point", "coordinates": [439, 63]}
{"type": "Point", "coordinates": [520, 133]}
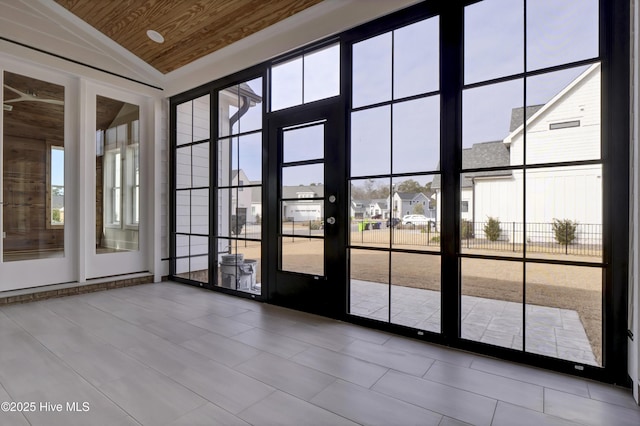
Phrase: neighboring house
{"type": "Point", "coordinates": [299, 204]}
{"type": "Point", "coordinates": [480, 155]}
{"type": "Point", "coordinates": [378, 208]}
{"type": "Point", "coordinates": [242, 199]}
{"type": "Point", "coordinates": [567, 128]}
{"type": "Point", "coordinates": [405, 203]}
{"type": "Point", "coordinates": [358, 209]}
{"type": "Point", "coordinates": [256, 203]}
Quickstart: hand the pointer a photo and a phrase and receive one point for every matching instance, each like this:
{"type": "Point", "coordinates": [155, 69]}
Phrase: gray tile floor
{"type": "Point", "coordinates": [552, 332]}
{"type": "Point", "coordinates": [170, 354]}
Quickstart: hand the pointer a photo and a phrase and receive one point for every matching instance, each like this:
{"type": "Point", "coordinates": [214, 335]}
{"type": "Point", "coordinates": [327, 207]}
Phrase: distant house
{"type": "Point", "coordinates": [299, 205]}
{"type": "Point", "coordinates": [480, 155]}
{"type": "Point", "coordinates": [378, 208]}
{"type": "Point", "coordinates": [358, 209]}
{"type": "Point", "coordinates": [242, 200]}
{"type": "Point", "coordinates": [567, 128]}
{"type": "Point", "coordinates": [405, 203]}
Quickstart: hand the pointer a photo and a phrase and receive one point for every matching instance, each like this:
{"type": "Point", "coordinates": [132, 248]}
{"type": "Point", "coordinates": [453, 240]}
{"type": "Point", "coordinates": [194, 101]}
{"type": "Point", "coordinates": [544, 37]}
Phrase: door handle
{"type": "Point", "coordinates": [331, 220]}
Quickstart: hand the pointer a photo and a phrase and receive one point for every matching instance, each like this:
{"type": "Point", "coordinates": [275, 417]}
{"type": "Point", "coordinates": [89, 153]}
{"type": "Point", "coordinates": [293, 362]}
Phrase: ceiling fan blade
{"type": "Point", "coordinates": [29, 97]}
{"type": "Point", "coordinates": [16, 91]}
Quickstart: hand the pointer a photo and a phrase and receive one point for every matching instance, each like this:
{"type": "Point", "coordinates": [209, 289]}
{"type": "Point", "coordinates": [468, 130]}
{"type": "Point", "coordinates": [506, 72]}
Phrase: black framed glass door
{"type": "Point", "coordinates": [307, 255]}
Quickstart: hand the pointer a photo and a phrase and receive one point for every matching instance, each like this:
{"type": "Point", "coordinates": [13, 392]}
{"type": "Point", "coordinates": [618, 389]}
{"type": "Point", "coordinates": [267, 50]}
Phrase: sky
{"type": "Point", "coordinates": [404, 63]}
{"type": "Point", "coordinates": [57, 166]}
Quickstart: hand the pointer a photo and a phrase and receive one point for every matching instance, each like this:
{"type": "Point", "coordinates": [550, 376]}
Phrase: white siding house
{"type": "Point", "coordinates": [567, 128]}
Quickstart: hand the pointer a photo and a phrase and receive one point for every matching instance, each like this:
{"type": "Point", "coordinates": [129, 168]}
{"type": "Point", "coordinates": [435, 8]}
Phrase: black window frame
{"type": "Point", "coordinates": [614, 57]}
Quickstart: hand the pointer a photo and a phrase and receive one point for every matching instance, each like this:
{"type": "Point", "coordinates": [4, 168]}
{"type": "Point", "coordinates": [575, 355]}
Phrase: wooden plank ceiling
{"type": "Point", "coordinates": [191, 28]}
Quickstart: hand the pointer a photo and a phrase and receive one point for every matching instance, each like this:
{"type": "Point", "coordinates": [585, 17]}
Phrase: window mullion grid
{"type": "Point", "coordinates": [524, 181]}
{"type": "Point", "coordinates": [391, 109]}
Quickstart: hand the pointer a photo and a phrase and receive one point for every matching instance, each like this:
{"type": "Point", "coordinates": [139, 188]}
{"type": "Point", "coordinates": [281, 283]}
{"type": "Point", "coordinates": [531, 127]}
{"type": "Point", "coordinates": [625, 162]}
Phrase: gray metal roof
{"type": "Point", "coordinates": [517, 118]}
{"type": "Point", "coordinates": [293, 191]}
{"type": "Point", "coordinates": [408, 196]}
{"type": "Point", "coordinates": [481, 155]}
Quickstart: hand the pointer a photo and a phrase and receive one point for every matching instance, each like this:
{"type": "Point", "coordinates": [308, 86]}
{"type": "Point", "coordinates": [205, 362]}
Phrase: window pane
{"type": "Point", "coordinates": [198, 269]}
{"type": "Point", "coordinates": [201, 118]}
{"type": "Point", "coordinates": [489, 116]}
{"type": "Point", "coordinates": [305, 256]}
{"type": "Point", "coordinates": [493, 40]}
{"type": "Point", "coordinates": [227, 152]}
{"type": "Point", "coordinates": [200, 164]}
{"type": "Point", "coordinates": [251, 94]}
{"type": "Point", "coordinates": [253, 226]}
{"type": "Point", "coordinates": [561, 31]}
{"type": "Point", "coordinates": [239, 265]}
{"type": "Point", "coordinates": [414, 209]}
{"type": "Point", "coordinates": [566, 125]}
{"type": "Point", "coordinates": [184, 123]}
{"type": "Point", "coordinates": [322, 74]}
{"type": "Point", "coordinates": [286, 84]}
{"type": "Point", "coordinates": [183, 211]}
{"type": "Point", "coordinates": [200, 211]}
{"type": "Point", "coordinates": [228, 223]}
{"type": "Point", "coordinates": [228, 106]}
{"type": "Point", "coordinates": [240, 160]}
{"type": "Point", "coordinates": [492, 298]}
{"type": "Point", "coordinates": [564, 312]}
{"type": "Point", "coordinates": [240, 108]}
{"type": "Point", "coordinates": [416, 54]}
{"type": "Point", "coordinates": [369, 284]}
{"type": "Point", "coordinates": [182, 245]}
{"type": "Point", "coordinates": [371, 142]}
{"type": "Point", "coordinates": [303, 181]}
{"type": "Point", "coordinates": [416, 135]}
{"type": "Point", "coordinates": [306, 143]}
{"type": "Point", "coordinates": [198, 245]}
{"type": "Point", "coordinates": [192, 120]}
{"type": "Point", "coordinates": [304, 217]}
{"type": "Point", "coordinates": [369, 213]}
{"type": "Point", "coordinates": [372, 70]}
{"type": "Point", "coordinates": [415, 291]}
{"type": "Point", "coordinates": [493, 223]}
{"type": "Point", "coordinates": [249, 165]}
{"type": "Point", "coordinates": [564, 213]}
{"type": "Point", "coordinates": [183, 167]}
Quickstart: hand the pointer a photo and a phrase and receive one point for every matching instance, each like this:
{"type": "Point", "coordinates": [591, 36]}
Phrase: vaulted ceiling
{"type": "Point", "coordinates": [191, 28]}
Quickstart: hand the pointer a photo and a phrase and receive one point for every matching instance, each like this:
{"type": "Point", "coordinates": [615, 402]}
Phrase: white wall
{"type": "Point", "coordinates": [581, 102]}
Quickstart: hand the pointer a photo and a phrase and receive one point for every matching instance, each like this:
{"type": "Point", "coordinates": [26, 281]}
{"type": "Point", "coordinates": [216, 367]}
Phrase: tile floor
{"type": "Point", "coordinates": [170, 354]}
{"type": "Point", "coordinates": [552, 332]}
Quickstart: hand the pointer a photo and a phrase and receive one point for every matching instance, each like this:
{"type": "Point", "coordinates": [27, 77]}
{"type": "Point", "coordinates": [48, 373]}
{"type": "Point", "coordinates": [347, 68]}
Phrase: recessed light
{"type": "Point", "coordinates": [155, 36]}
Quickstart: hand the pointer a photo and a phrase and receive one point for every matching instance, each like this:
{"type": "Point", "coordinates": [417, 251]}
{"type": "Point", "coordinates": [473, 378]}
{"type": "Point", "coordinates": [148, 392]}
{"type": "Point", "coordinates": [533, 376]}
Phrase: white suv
{"type": "Point", "coordinates": [415, 219]}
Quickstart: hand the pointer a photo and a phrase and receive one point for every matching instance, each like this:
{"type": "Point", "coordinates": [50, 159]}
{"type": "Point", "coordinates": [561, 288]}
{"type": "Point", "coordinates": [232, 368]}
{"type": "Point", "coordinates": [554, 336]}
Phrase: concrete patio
{"type": "Point", "coordinates": [550, 331]}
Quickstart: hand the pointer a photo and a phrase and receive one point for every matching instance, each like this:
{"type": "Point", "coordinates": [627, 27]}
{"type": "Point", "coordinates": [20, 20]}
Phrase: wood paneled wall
{"type": "Point", "coordinates": [24, 194]}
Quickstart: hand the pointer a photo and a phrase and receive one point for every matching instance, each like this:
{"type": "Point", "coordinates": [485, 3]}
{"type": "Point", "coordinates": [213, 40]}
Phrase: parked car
{"type": "Point", "coordinates": [415, 219]}
{"type": "Point", "coordinates": [391, 222]}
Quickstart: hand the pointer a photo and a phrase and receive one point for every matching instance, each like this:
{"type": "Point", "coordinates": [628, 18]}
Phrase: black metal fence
{"type": "Point", "coordinates": [561, 237]}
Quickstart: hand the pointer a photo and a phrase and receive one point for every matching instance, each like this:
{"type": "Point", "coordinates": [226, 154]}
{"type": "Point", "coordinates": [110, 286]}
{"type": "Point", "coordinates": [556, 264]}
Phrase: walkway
{"type": "Point", "coordinates": [552, 332]}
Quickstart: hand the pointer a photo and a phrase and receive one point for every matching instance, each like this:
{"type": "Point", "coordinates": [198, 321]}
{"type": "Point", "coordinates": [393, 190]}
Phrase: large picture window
{"type": "Point", "coordinates": [458, 175]}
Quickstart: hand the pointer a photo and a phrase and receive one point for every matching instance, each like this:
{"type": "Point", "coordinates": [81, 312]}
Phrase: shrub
{"type": "Point", "coordinates": [315, 225]}
{"type": "Point", "coordinates": [564, 231]}
{"type": "Point", "coordinates": [492, 229]}
{"type": "Point", "coordinates": [435, 239]}
{"type": "Point", "coordinates": [466, 229]}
